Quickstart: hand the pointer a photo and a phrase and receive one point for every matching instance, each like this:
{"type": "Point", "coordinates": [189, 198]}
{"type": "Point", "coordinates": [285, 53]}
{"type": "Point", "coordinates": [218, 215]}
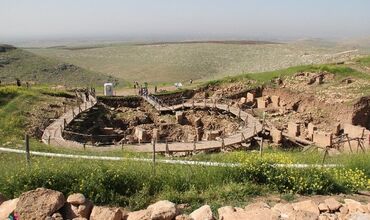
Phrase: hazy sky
{"type": "Point", "coordinates": [187, 19]}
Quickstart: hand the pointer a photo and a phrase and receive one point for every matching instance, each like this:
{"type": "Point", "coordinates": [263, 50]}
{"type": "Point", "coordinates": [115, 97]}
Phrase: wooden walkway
{"type": "Point", "coordinates": [53, 133]}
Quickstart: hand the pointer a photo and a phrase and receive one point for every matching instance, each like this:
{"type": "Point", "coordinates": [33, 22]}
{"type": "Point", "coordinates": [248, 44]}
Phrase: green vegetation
{"type": "Point", "coordinates": [340, 71]}
{"type": "Point", "coordinates": [133, 184]}
{"type": "Point", "coordinates": [365, 61]}
{"type": "Point", "coordinates": [26, 66]}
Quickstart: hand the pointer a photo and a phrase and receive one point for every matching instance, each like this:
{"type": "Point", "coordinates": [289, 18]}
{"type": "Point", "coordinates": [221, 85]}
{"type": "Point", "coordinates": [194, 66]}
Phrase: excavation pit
{"type": "Point", "coordinates": [131, 120]}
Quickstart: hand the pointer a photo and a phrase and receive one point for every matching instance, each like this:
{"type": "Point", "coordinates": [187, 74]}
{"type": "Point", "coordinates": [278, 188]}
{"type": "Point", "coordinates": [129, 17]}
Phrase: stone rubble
{"type": "Point", "coordinates": [51, 205]}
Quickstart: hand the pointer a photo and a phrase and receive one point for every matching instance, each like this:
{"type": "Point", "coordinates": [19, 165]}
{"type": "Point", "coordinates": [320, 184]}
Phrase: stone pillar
{"type": "Point", "coordinates": [293, 129]}
{"type": "Point", "coordinates": [250, 97]}
{"type": "Point", "coordinates": [275, 101]}
{"type": "Point", "coordinates": [261, 103]}
{"type": "Point", "coordinates": [311, 128]}
{"type": "Point", "coordinates": [276, 135]}
{"type": "Point", "coordinates": [179, 117]}
{"type": "Point", "coordinates": [322, 139]}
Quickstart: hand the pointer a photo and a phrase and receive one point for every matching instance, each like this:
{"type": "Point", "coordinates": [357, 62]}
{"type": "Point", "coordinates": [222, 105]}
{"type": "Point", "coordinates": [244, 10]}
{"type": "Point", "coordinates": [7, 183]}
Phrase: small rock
{"type": "Point", "coordinates": [308, 206]}
{"type": "Point", "coordinates": [202, 213]}
{"type": "Point", "coordinates": [39, 203]}
{"type": "Point", "coordinates": [57, 216]}
{"type": "Point", "coordinates": [105, 213]}
{"type": "Point", "coordinates": [333, 204]}
{"type": "Point", "coordinates": [323, 207]}
{"type": "Point", "coordinates": [162, 210]}
{"type": "Point", "coordinates": [7, 207]}
{"type": "Point", "coordinates": [76, 199]}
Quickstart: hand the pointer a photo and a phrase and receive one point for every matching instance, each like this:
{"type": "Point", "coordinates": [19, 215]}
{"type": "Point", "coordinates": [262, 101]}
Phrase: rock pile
{"type": "Point", "coordinates": [49, 204]}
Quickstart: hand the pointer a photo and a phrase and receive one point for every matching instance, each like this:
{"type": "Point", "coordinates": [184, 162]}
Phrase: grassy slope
{"type": "Point", "coordinates": [181, 62]}
{"type": "Point", "coordinates": [30, 67]}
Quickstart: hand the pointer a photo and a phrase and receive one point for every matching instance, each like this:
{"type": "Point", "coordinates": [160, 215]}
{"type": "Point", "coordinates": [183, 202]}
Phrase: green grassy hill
{"type": "Point", "coordinates": [174, 62]}
{"type": "Point", "coordinates": [26, 66]}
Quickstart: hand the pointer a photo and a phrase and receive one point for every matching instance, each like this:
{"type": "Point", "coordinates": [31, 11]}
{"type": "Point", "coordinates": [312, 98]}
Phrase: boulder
{"type": "Point", "coordinates": [225, 211]}
{"type": "Point", "coordinates": [344, 210]}
{"type": "Point", "coordinates": [7, 207]}
{"type": "Point", "coordinates": [358, 216]}
{"type": "Point", "coordinates": [162, 210]}
{"type": "Point", "coordinates": [333, 204]}
{"type": "Point", "coordinates": [139, 215]}
{"type": "Point", "coordinates": [307, 205]}
{"type": "Point", "coordinates": [286, 210]}
{"type": "Point", "coordinates": [304, 215]}
{"type": "Point", "coordinates": [183, 217]}
{"type": "Point", "coordinates": [105, 213]}
{"type": "Point", "coordinates": [354, 206]}
{"type": "Point", "coordinates": [39, 203]}
{"type": "Point", "coordinates": [76, 199]}
{"type": "Point", "coordinates": [252, 214]}
{"type": "Point", "coordinates": [202, 213]}
{"type": "Point", "coordinates": [323, 207]}
{"type": "Point", "coordinates": [69, 211]}
{"type": "Point", "coordinates": [237, 215]}
{"type": "Point", "coordinates": [84, 210]}
{"type": "Point", "coordinates": [328, 216]}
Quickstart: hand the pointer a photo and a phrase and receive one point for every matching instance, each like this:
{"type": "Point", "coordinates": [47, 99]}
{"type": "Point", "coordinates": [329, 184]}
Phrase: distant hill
{"type": "Point", "coordinates": [170, 62]}
{"type": "Point", "coordinates": [17, 63]}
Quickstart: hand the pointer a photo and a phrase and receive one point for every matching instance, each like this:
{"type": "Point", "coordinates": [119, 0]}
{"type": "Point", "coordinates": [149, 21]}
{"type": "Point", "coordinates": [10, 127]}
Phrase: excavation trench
{"type": "Point", "coordinates": [132, 120]}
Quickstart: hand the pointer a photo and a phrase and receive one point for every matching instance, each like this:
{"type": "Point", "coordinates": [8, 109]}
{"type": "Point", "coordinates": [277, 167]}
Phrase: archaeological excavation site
{"type": "Point", "coordinates": [306, 111]}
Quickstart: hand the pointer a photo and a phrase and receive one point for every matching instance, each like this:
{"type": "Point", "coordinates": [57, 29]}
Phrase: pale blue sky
{"type": "Point", "coordinates": [185, 19]}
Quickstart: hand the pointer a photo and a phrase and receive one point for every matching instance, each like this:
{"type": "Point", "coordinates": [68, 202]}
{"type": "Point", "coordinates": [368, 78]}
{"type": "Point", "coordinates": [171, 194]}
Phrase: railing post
{"type": "Point", "coordinates": [167, 148]}
{"type": "Point", "coordinates": [65, 108]}
{"type": "Point", "coordinates": [49, 139]}
{"type": "Point", "coordinates": [192, 105]}
{"type": "Point", "coordinates": [242, 138]}
{"type": "Point", "coordinates": [27, 145]}
{"type": "Point", "coordinates": [154, 140]}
